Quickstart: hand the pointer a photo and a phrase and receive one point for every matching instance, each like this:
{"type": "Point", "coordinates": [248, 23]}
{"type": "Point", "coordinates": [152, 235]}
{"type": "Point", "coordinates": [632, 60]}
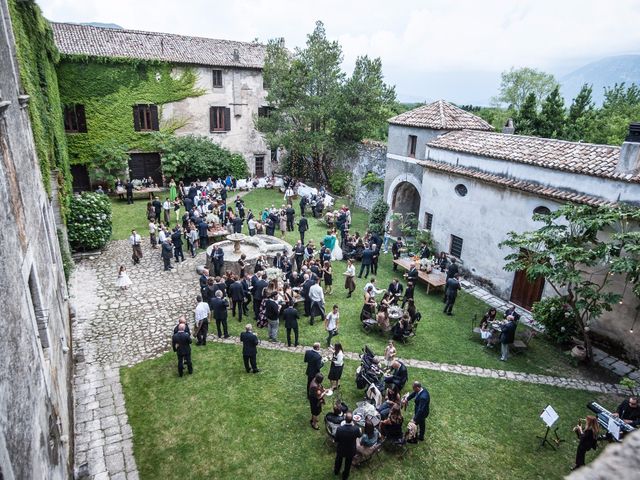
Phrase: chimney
{"type": "Point", "coordinates": [509, 128]}
{"type": "Point", "coordinates": [629, 162]}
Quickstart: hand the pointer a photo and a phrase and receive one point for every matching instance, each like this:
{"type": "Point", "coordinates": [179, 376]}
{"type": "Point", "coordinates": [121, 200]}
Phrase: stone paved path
{"type": "Point", "coordinates": [113, 328]}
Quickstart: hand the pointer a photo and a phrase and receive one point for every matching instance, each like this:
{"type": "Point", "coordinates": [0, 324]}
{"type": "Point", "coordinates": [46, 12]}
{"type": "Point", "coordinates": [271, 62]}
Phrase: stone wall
{"type": "Point", "coordinates": [35, 374]}
{"type": "Point", "coordinates": [370, 156]}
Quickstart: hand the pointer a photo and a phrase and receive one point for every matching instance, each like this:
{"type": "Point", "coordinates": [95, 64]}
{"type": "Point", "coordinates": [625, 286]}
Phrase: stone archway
{"type": "Point", "coordinates": [405, 198]}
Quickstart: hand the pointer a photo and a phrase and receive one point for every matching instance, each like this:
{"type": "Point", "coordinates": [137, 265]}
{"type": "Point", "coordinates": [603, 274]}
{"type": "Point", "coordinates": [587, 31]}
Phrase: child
{"type": "Point", "coordinates": [123, 280]}
{"type": "Point", "coordinates": [390, 353]}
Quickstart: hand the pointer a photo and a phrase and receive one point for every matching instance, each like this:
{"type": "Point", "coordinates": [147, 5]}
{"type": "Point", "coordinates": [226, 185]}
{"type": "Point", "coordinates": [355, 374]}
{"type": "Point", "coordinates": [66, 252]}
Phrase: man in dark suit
{"type": "Point", "coordinates": [304, 292]}
{"type": "Point", "coordinates": [203, 233]}
{"type": "Point", "coordinates": [129, 187]}
{"type": "Point", "coordinates": [181, 342]}
{"type": "Point", "coordinates": [395, 251]}
{"type": "Point", "coordinates": [167, 253]}
{"type": "Point", "coordinates": [507, 336]}
{"type": "Point", "coordinates": [249, 350]}
{"type": "Point", "coordinates": [203, 280]}
{"type": "Point", "coordinates": [303, 226]}
{"type": "Point", "coordinates": [236, 292]}
{"type": "Point", "coordinates": [277, 261]}
{"type": "Point", "coordinates": [395, 289]}
{"type": "Point", "coordinates": [290, 213]}
{"type": "Point", "coordinates": [413, 274]}
{"type": "Point", "coordinates": [290, 317]}
{"type": "Point", "coordinates": [157, 208]}
{"type": "Point", "coordinates": [422, 399]}
{"type": "Point", "coordinates": [346, 436]}
{"type": "Point", "coordinates": [217, 258]}
{"type": "Point", "coordinates": [452, 269]}
{"type": "Point", "coordinates": [313, 359]}
{"type": "Point", "coordinates": [258, 289]}
{"type": "Point", "coordinates": [219, 306]}
{"type": "Point", "coordinates": [367, 260]}
{"type": "Point", "coordinates": [400, 375]}
{"type": "Point", "coordinates": [303, 205]}
{"type": "Point", "coordinates": [451, 288]}
{"type": "Point", "coordinates": [176, 239]}
{"type": "Point", "coordinates": [237, 224]}
{"type": "Point", "coordinates": [246, 283]}
{"type": "Point", "coordinates": [298, 253]}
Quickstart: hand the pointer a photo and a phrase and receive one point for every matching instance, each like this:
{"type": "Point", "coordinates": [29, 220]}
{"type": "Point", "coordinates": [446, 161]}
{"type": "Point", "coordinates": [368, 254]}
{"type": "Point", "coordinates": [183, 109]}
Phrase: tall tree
{"type": "Point", "coordinates": [318, 111]}
{"type": "Point", "coordinates": [517, 84]}
{"type": "Point", "coordinates": [526, 119]}
{"type": "Point", "coordinates": [578, 250]}
{"type": "Point", "coordinates": [621, 106]}
{"type": "Point", "coordinates": [552, 115]}
{"type": "Point", "coordinates": [581, 115]}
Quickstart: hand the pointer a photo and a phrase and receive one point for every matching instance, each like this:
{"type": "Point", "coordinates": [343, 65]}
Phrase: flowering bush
{"type": "Point", "coordinates": [89, 222]}
{"type": "Point", "coordinates": [557, 317]}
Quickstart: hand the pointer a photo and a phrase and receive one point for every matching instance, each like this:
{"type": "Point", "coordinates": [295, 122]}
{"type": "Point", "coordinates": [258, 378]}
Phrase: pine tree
{"type": "Point", "coordinates": [581, 115]}
{"type": "Point", "coordinates": [552, 116]}
{"type": "Point", "coordinates": [526, 119]}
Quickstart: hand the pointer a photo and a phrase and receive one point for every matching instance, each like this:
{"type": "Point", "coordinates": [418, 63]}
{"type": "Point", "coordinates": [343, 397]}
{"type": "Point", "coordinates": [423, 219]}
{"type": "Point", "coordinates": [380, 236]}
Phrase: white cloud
{"type": "Point", "coordinates": [414, 37]}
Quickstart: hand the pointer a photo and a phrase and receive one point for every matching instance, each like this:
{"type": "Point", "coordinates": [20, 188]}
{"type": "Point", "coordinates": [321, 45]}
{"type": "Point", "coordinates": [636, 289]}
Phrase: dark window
{"type": "Point", "coordinates": [260, 166]}
{"type": "Point", "coordinates": [541, 210]}
{"type": "Point", "coordinates": [217, 78]}
{"type": "Point", "coordinates": [264, 111]}
{"type": "Point", "coordinates": [145, 118]}
{"type": "Point", "coordinates": [42, 315]}
{"type": "Point", "coordinates": [456, 246]}
{"type": "Point", "coordinates": [219, 119]}
{"type": "Point", "coordinates": [274, 155]}
{"type": "Point", "coordinates": [74, 119]}
{"type": "Point", "coordinates": [461, 190]}
{"type": "Point", "coordinates": [413, 142]}
{"type": "Point", "coordinates": [428, 220]}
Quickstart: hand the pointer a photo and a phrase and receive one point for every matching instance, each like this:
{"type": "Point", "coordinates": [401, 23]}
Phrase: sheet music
{"type": "Point", "coordinates": [549, 416]}
{"type": "Point", "coordinates": [614, 428]}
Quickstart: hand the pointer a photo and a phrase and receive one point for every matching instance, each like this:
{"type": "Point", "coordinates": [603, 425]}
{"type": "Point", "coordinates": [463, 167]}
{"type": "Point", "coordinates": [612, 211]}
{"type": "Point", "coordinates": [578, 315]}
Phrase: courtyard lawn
{"type": "Point", "coordinates": [440, 338]}
{"type": "Point", "coordinates": [224, 423]}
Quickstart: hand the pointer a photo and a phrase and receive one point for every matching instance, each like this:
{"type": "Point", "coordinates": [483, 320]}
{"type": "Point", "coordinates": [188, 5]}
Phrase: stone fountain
{"type": "Point", "coordinates": [253, 248]}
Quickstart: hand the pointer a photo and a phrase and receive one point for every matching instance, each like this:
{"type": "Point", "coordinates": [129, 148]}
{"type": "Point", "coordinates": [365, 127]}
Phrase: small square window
{"type": "Point", "coordinates": [217, 78]}
{"type": "Point", "coordinates": [456, 246]}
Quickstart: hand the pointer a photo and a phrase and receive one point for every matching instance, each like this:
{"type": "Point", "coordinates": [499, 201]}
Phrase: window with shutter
{"type": "Point", "coordinates": [217, 78]}
{"type": "Point", "coordinates": [74, 119]}
{"type": "Point", "coordinates": [456, 246]}
{"type": "Point", "coordinates": [219, 119]}
{"type": "Point", "coordinates": [145, 118]}
{"type": "Point", "coordinates": [428, 220]}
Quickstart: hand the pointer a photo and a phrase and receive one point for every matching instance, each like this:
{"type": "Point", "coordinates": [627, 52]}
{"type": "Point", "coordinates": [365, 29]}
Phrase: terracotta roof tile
{"type": "Point", "coordinates": [440, 115]}
{"type": "Point", "coordinates": [583, 158]}
{"type": "Point", "coordinates": [528, 187]}
{"type": "Point", "coordinates": [74, 39]}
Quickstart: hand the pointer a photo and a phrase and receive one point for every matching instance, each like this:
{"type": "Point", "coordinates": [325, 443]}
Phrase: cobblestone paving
{"type": "Point", "coordinates": [114, 328]}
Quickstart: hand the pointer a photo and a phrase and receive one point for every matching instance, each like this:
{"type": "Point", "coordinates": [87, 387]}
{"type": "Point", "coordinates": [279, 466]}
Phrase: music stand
{"type": "Point", "coordinates": [549, 416]}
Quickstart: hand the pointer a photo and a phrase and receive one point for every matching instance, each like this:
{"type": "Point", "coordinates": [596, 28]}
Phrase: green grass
{"type": "Point", "coordinates": [127, 217]}
{"type": "Point", "coordinates": [440, 338]}
{"type": "Point", "coordinates": [223, 423]}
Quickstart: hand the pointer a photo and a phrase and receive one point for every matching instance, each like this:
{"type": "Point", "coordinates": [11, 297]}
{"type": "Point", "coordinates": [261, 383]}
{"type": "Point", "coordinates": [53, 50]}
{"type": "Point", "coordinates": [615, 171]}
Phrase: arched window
{"type": "Point", "coordinates": [461, 190]}
{"type": "Point", "coordinates": [541, 210]}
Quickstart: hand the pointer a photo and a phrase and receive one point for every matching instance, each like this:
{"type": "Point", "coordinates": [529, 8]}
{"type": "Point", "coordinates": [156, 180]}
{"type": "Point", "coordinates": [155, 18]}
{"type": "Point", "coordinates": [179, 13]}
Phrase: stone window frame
{"type": "Point", "coordinates": [217, 79]}
{"type": "Point", "coordinates": [412, 146]}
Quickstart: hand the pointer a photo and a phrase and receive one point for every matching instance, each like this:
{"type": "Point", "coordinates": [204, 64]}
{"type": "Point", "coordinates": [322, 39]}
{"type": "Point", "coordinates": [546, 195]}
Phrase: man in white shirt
{"type": "Point", "coordinates": [316, 297]}
{"type": "Point", "coordinates": [135, 241]}
{"type": "Point", "coordinates": [166, 209]}
{"type": "Point", "coordinates": [251, 223]}
{"type": "Point", "coordinates": [162, 235]}
{"type": "Point", "coordinates": [331, 323]}
{"type": "Point", "coordinates": [202, 321]}
{"type": "Point", "coordinates": [372, 283]}
{"type": "Point", "coordinates": [152, 234]}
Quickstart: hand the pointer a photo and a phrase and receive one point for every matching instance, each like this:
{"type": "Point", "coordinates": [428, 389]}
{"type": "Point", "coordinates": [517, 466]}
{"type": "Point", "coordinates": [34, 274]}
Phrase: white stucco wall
{"type": "Point", "coordinates": [398, 142]}
{"type": "Point", "coordinates": [611, 190]}
{"type": "Point", "coordinates": [243, 93]}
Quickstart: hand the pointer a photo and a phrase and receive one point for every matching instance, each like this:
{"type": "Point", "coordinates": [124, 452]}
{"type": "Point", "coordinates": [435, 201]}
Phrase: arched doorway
{"type": "Point", "coordinates": [405, 199]}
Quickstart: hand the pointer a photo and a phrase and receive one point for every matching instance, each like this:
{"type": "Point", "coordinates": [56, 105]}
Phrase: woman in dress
{"type": "Point", "coordinates": [331, 323]}
{"type": "Point", "coordinates": [588, 439]}
{"type": "Point", "coordinates": [392, 425]}
{"type": "Point", "coordinates": [123, 280]}
{"type": "Point", "coordinates": [283, 222]}
{"type": "Point", "coordinates": [485, 326]}
{"type": "Point", "coordinates": [176, 208]}
{"type": "Point", "coordinates": [337, 364]}
{"type": "Point", "coordinates": [173, 193]}
{"type": "Point", "coordinates": [151, 212]}
{"type": "Point", "coordinates": [349, 280]}
{"type": "Point", "coordinates": [369, 307]}
{"type": "Point", "coordinates": [316, 396]}
{"type": "Point", "coordinates": [327, 276]}
{"type": "Point", "coordinates": [242, 265]}
{"type": "Point", "coordinates": [336, 251]}
{"type": "Point", "coordinates": [366, 443]}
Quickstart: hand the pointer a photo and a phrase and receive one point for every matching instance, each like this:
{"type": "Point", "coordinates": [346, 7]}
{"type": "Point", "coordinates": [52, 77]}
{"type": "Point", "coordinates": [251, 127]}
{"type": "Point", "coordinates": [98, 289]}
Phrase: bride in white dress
{"type": "Point", "coordinates": [336, 253]}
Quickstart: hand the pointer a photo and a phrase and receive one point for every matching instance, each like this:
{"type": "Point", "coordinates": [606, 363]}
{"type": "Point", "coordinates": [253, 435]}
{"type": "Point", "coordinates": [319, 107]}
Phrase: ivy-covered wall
{"type": "Point", "coordinates": [37, 56]}
{"type": "Point", "coordinates": [108, 89]}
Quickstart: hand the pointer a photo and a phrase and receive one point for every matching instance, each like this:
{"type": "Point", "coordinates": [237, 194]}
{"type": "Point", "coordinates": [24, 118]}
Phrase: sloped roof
{"type": "Point", "coordinates": [74, 39]}
{"type": "Point", "coordinates": [441, 115]}
{"type": "Point", "coordinates": [575, 157]}
{"type": "Point", "coordinates": [516, 184]}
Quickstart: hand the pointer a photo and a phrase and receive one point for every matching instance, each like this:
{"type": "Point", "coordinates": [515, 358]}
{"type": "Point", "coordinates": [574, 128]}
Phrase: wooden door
{"type": "Point", "coordinates": [145, 165]}
{"type": "Point", "coordinates": [260, 166]}
{"type": "Point", "coordinates": [524, 292]}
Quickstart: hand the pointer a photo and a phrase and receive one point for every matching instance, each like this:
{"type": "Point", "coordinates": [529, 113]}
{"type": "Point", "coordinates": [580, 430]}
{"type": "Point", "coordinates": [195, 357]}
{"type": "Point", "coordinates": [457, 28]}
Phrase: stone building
{"type": "Point", "coordinates": [229, 74]}
{"type": "Point", "coordinates": [36, 438]}
{"type": "Point", "coordinates": [471, 186]}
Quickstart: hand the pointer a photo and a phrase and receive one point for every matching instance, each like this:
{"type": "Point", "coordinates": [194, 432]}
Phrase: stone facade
{"type": "Point", "coordinates": [36, 416]}
{"type": "Point", "coordinates": [370, 156]}
{"type": "Point", "coordinates": [241, 91]}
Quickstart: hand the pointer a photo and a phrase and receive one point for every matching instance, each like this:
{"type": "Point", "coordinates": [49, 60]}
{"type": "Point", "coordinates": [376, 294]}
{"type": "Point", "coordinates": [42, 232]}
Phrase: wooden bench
{"type": "Point", "coordinates": [432, 280]}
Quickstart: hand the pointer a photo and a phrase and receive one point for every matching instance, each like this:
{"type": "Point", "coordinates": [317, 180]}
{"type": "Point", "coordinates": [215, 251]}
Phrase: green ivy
{"type": "Point", "coordinates": [108, 88]}
{"type": "Point", "coordinates": [89, 222]}
{"type": "Point", "coordinates": [37, 56]}
{"type": "Point", "coordinates": [340, 182]}
{"type": "Point", "coordinates": [371, 180]}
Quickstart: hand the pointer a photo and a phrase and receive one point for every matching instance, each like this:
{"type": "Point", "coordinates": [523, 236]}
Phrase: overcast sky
{"type": "Point", "coordinates": [430, 49]}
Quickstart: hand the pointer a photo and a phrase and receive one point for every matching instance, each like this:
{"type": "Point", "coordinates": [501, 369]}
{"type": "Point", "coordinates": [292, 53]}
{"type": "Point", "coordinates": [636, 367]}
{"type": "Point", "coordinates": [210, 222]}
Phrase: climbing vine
{"type": "Point", "coordinates": [37, 56]}
{"type": "Point", "coordinates": [108, 88]}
